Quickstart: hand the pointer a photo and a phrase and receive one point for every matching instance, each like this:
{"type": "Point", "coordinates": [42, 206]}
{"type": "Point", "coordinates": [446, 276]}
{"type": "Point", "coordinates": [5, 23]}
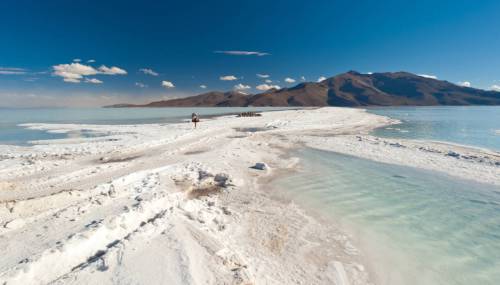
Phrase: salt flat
{"type": "Point", "coordinates": [169, 204]}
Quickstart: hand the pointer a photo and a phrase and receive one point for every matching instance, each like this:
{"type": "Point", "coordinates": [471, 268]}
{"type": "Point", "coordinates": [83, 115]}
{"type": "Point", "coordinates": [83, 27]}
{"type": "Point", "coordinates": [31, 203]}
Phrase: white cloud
{"type": "Point", "coordinates": [111, 70]}
{"type": "Point", "coordinates": [302, 78]}
{"type": "Point", "coordinates": [268, 81]}
{"type": "Point", "coordinates": [265, 87]}
{"type": "Point", "coordinates": [148, 71]}
{"type": "Point", "coordinates": [428, 76]}
{"type": "Point", "coordinates": [241, 86]}
{"type": "Point", "coordinates": [241, 52]}
{"type": "Point", "coordinates": [262, 75]}
{"type": "Point", "coordinates": [91, 61]}
{"type": "Point", "coordinates": [77, 60]}
{"type": "Point", "coordinates": [321, 78]}
{"type": "Point", "coordinates": [140, 85]}
{"type": "Point", "coordinates": [74, 72]}
{"type": "Point", "coordinates": [464, 83]}
{"type": "Point", "coordinates": [228, 78]}
{"type": "Point", "coordinates": [203, 86]}
{"type": "Point", "coordinates": [167, 84]}
{"type": "Point", "coordinates": [93, 80]}
{"type": "Point", "coordinates": [495, 87]}
{"type": "Point", "coordinates": [289, 80]}
{"type": "Point", "coordinates": [12, 71]}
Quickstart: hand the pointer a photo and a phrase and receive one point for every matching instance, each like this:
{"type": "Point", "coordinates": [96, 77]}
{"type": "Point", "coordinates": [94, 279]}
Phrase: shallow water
{"type": "Point", "coordinates": [415, 226]}
{"type": "Point", "coordinates": [11, 133]}
{"type": "Point", "coordinates": [468, 125]}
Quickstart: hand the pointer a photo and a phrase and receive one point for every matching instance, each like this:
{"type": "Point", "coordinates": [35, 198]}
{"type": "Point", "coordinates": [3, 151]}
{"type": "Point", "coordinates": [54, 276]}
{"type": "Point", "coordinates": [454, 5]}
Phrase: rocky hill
{"type": "Point", "coordinates": [347, 89]}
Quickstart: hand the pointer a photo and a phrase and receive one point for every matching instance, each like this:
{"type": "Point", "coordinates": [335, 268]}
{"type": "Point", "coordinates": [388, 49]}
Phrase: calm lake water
{"type": "Point", "coordinates": [11, 133]}
{"type": "Point", "coordinates": [416, 226]}
{"type": "Point", "coordinates": [471, 125]}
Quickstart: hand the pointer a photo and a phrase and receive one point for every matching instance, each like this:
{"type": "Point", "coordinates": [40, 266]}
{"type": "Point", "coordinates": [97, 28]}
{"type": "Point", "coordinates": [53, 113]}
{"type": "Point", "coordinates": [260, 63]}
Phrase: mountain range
{"type": "Point", "coordinates": [350, 89]}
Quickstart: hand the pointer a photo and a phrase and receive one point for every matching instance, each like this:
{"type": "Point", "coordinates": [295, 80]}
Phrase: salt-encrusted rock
{"type": "Point", "coordinates": [396, 144]}
{"type": "Point", "coordinates": [221, 179]}
{"type": "Point", "coordinates": [260, 166]}
{"type": "Point", "coordinates": [453, 154]}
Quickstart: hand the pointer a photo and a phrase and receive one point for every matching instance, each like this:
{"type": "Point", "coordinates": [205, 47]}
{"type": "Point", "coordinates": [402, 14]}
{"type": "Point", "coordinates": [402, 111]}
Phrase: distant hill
{"type": "Point", "coordinates": [210, 99]}
{"type": "Point", "coordinates": [350, 89]}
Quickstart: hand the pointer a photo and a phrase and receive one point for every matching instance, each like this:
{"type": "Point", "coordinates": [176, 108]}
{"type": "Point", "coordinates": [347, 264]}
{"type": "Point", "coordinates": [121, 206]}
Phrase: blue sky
{"type": "Point", "coordinates": [178, 41]}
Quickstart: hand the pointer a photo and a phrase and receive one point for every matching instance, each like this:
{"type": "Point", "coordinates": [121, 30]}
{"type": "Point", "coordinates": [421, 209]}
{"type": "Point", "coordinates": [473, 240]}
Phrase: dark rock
{"type": "Point", "coordinates": [260, 166]}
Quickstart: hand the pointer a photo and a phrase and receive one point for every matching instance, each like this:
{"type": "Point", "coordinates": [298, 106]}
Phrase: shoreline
{"type": "Point", "coordinates": [475, 164]}
{"type": "Point", "coordinates": [154, 171]}
{"type": "Point", "coordinates": [356, 247]}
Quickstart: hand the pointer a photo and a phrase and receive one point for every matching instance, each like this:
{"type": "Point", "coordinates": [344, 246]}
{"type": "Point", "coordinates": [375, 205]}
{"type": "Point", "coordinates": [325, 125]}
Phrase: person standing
{"type": "Point", "coordinates": [195, 119]}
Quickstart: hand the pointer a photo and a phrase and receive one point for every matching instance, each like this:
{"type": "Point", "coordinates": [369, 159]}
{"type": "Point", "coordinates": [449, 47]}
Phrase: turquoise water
{"type": "Point", "coordinates": [416, 226]}
{"type": "Point", "coordinates": [469, 125]}
{"type": "Point", "coordinates": [11, 133]}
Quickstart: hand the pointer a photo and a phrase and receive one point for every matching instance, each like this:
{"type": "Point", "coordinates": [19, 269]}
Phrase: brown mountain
{"type": "Point", "coordinates": [349, 89]}
{"type": "Point", "coordinates": [210, 99]}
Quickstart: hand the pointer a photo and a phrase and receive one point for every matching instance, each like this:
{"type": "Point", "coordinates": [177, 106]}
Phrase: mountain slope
{"type": "Point", "coordinates": [350, 89]}
{"type": "Point", "coordinates": [402, 88]}
{"type": "Point", "coordinates": [211, 99]}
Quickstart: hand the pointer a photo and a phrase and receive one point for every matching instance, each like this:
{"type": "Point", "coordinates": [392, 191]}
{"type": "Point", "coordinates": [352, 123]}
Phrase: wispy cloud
{"type": "Point", "coordinates": [428, 76]}
{"type": "Point", "coordinates": [12, 71]}
{"type": "Point", "coordinates": [75, 72]}
{"type": "Point", "coordinates": [242, 52]}
{"type": "Point", "coordinates": [289, 80]}
{"type": "Point", "coordinates": [464, 83]}
{"type": "Point", "coordinates": [321, 78]}
{"type": "Point", "coordinates": [265, 87]}
{"type": "Point", "coordinates": [140, 85]}
{"type": "Point", "coordinates": [268, 81]}
{"type": "Point", "coordinates": [262, 75]}
{"type": "Point", "coordinates": [241, 86]}
{"type": "Point", "coordinates": [167, 84]}
{"type": "Point", "coordinates": [203, 86]}
{"type": "Point", "coordinates": [93, 80]}
{"type": "Point", "coordinates": [148, 71]}
{"type": "Point", "coordinates": [77, 60]}
{"type": "Point", "coordinates": [228, 78]}
{"type": "Point", "coordinates": [302, 78]}
{"type": "Point", "coordinates": [91, 61]}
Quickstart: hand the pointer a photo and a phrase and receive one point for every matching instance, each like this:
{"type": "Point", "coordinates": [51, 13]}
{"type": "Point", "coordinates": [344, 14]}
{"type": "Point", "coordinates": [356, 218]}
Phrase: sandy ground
{"type": "Point", "coordinates": [167, 204]}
